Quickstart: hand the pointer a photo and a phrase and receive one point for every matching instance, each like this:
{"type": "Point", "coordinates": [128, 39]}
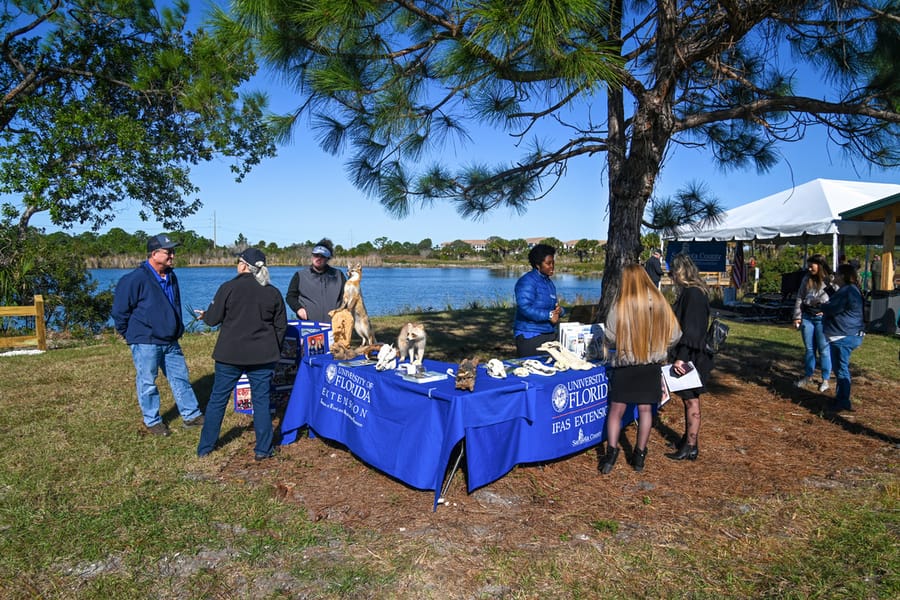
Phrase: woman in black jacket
{"type": "Point", "coordinates": [254, 322]}
{"type": "Point", "coordinates": [692, 310]}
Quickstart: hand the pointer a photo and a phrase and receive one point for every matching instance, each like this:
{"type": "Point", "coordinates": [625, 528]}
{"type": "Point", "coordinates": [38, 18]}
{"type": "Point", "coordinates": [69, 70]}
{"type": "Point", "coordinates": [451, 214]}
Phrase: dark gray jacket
{"type": "Point", "coordinates": [318, 293]}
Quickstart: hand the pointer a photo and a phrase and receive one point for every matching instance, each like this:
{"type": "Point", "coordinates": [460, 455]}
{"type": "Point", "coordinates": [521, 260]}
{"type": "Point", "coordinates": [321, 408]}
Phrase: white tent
{"type": "Point", "coordinates": [810, 211]}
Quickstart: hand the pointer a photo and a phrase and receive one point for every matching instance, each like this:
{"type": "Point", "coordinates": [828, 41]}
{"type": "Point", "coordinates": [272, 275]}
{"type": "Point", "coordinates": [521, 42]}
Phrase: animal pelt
{"type": "Point", "coordinates": [465, 374]}
{"type": "Point", "coordinates": [353, 301]}
{"type": "Point", "coordinates": [371, 351]}
{"type": "Point", "coordinates": [411, 343]}
{"type": "Point", "coordinates": [343, 352]}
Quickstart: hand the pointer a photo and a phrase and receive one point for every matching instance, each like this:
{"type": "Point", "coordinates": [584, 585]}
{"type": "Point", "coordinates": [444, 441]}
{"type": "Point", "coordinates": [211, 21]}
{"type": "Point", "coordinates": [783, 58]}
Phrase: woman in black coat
{"type": "Point", "coordinates": [253, 319]}
{"type": "Point", "coordinates": [692, 311]}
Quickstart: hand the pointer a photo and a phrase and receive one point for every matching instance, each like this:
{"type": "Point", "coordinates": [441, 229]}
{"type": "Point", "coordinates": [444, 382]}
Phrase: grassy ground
{"type": "Point", "coordinates": [92, 508]}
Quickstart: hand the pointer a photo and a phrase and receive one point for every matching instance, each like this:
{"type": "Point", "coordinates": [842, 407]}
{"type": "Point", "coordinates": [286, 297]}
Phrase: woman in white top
{"type": "Point", "coordinates": [815, 288]}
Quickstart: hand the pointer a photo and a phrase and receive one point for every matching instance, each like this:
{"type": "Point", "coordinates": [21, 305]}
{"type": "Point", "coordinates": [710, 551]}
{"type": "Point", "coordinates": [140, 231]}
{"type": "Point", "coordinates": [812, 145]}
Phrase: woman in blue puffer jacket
{"type": "Point", "coordinates": [844, 327]}
{"type": "Point", "coordinates": [537, 307]}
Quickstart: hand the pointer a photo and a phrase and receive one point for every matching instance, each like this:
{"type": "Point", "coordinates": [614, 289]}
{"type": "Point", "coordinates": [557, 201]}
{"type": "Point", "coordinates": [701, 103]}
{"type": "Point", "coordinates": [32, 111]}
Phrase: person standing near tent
{"type": "Point", "coordinates": [653, 266]}
{"type": "Point", "coordinates": [844, 327]}
{"type": "Point", "coordinates": [876, 273]}
{"type": "Point", "coordinates": [814, 291]}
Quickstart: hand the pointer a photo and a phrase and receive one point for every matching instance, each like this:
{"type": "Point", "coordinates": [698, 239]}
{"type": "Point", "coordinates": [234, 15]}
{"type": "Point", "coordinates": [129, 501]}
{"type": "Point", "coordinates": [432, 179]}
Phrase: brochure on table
{"type": "Point", "coordinates": [576, 337]}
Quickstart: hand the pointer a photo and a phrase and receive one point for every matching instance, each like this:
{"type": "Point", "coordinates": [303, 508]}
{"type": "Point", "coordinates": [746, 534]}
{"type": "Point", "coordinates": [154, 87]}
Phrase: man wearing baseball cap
{"type": "Point", "coordinates": [147, 313]}
{"type": "Point", "coordinates": [317, 289]}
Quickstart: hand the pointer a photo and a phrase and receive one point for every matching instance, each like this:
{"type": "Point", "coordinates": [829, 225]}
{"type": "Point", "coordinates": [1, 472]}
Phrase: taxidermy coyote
{"type": "Point", "coordinates": [353, 301]}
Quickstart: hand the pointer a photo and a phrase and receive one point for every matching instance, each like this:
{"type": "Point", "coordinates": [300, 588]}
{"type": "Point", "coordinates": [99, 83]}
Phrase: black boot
{"type": "Point", "coordinates": [637, 461]}
{"type": "Point", "coordinates": [686, 452]}
{"type": "Point", "coordinates": [679, 443]}
{"type": "Point", "coordinates": [609, 460]}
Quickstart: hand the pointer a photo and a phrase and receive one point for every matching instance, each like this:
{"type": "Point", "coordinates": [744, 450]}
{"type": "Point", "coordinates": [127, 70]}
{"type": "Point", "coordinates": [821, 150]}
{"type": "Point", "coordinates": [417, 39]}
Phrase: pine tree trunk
{"type": "Point", "coordinates": [631, 182]}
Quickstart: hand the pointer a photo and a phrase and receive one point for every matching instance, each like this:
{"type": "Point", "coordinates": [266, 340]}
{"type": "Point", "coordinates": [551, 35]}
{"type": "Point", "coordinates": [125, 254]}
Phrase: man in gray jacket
{"type": "Point", "coordinates": [317, 289]}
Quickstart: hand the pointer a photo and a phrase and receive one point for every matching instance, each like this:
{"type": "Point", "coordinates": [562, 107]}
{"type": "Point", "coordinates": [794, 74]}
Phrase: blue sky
{"type": "Point", "coordinates": [304, 194]}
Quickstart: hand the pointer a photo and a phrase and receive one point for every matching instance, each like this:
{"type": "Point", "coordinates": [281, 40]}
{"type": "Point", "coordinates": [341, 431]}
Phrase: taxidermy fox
{"type": "Point", "coordinates": [353, 301]}
{"type": "Point", "coordinates": [411, 343]}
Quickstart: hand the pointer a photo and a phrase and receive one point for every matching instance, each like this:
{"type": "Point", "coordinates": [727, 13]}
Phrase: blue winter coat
{"type": "Point", "coordinates": [535, 298]}
{"type": "Point", "coordinates": [141, 310]}
{"type": "Point", "coordinates": [844, 313]}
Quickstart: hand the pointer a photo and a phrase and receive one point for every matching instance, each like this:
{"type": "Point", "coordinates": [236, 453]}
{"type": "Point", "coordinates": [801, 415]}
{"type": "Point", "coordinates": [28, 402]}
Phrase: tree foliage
{"type": "Point", "coordinates": [392, 82]}
{"type": "Point", "coordinates": [106, 101]}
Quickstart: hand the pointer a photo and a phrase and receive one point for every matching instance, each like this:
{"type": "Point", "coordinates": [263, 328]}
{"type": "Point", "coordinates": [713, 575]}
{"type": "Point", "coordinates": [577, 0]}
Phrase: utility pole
{"type": "Point", "coordinates": [215, 242]}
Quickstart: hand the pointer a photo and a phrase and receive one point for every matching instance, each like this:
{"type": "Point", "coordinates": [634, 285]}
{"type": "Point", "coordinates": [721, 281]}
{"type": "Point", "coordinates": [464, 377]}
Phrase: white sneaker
{"type": "Point", "coordinates": [803, 382]}
{"type": "Point", "coordinates": [823, 387]}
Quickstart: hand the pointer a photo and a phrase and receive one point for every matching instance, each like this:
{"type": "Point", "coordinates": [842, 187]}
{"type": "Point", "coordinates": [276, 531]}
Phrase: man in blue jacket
{"type": "Point", "coordinates": [147, 313]}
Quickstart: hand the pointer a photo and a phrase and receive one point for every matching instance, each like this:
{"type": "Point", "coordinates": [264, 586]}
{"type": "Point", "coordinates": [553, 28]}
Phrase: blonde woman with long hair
{"type": "Point", "coordinates": [692, 310]}
{"type": "Point", "coordinates": [639, 330]}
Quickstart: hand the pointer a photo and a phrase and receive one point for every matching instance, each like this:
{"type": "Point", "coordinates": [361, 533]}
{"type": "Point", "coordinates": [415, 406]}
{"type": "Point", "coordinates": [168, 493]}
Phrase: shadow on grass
{"type": "Point", "coordinates": [777, 366]}
{"type": "Point", "coordinates": [485, 332]}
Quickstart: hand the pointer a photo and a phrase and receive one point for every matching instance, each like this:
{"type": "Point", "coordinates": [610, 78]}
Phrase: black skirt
{"type": "Point", "coordinates": [638, 384]}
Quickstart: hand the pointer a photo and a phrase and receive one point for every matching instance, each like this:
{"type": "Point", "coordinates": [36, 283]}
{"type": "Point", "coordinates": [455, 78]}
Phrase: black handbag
{"type": "Point", "coordinates": [716, 336]}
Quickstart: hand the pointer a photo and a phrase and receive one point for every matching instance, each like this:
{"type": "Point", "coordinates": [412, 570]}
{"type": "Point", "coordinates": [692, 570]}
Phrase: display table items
{"type": "Point", "coordinates": [408, 429]}
{"type": "Point", "coordinates": [302, 338]}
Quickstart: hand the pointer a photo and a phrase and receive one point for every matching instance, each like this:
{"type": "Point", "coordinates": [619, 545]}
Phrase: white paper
{"type": "Point", "coordinates": [688, 381]}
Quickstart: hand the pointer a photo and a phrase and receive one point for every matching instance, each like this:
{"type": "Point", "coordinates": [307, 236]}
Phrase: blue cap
{"type": "Point", "coordinates": [160, 242]}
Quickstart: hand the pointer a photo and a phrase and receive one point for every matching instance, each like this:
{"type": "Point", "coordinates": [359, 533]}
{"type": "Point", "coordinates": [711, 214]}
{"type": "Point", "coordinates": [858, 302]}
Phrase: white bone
{"type": "Point", "coordinates": [564, 358]}
{"type": "Point", "coordinates": [387, 358]}
{"type": "Point", "coordinates": [538, 368]}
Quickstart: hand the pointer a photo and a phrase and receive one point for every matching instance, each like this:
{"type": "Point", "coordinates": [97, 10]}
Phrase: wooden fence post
{"type": "Point", "coordinates": [39, 325]}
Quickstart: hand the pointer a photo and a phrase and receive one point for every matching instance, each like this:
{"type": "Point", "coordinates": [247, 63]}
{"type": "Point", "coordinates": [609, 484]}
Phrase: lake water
{"type": "Point", "coordinates": [386, 291]}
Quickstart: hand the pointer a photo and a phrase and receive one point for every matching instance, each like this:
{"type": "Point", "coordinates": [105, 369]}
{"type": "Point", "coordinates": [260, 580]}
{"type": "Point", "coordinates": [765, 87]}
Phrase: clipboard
{"type": "Point", "coordinates": [688, 381]}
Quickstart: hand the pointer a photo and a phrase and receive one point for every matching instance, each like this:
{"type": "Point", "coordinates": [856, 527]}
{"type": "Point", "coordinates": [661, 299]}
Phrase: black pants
{"type": "Point", "coordinates": [528, 347]}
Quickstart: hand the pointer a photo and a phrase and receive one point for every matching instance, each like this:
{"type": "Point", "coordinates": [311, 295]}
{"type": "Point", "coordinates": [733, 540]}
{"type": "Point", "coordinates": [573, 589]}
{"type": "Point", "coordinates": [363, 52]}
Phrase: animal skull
{"type": "Point", "coordinates": [496, 369]}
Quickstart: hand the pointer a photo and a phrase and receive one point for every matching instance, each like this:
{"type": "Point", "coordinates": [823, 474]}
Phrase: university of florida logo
{"type": "Point", "coordinates": [560, 398]}
{"type": "Point", "coordinates": [330, 372]}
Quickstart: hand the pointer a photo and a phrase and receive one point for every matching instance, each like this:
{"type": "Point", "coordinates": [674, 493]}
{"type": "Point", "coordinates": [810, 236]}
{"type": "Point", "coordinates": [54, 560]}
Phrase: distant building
{"type": "Point", "coordinates": [481, 245]}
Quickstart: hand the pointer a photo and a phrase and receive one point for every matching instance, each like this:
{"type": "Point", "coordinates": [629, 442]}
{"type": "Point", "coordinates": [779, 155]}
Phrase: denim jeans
{"type": "Point", "coordinates": [149, 359]}
{"type": "Point", "coordinates": [227, 376]}
{"type": "Point", "coordinates": [840, 357]}
{"type": "Point", "coordinates": [814, 341]}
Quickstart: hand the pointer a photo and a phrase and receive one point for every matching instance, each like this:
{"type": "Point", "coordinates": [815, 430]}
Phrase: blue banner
{"type": "Point", "coordinates": [708, 256]}
{"type": "Point", "coordinates": [569, 416]}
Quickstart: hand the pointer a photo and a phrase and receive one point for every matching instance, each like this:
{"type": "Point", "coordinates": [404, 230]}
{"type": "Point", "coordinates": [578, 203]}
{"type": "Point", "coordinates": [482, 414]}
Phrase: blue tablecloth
{"type": "Point", "coordinates": [409, 429]}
